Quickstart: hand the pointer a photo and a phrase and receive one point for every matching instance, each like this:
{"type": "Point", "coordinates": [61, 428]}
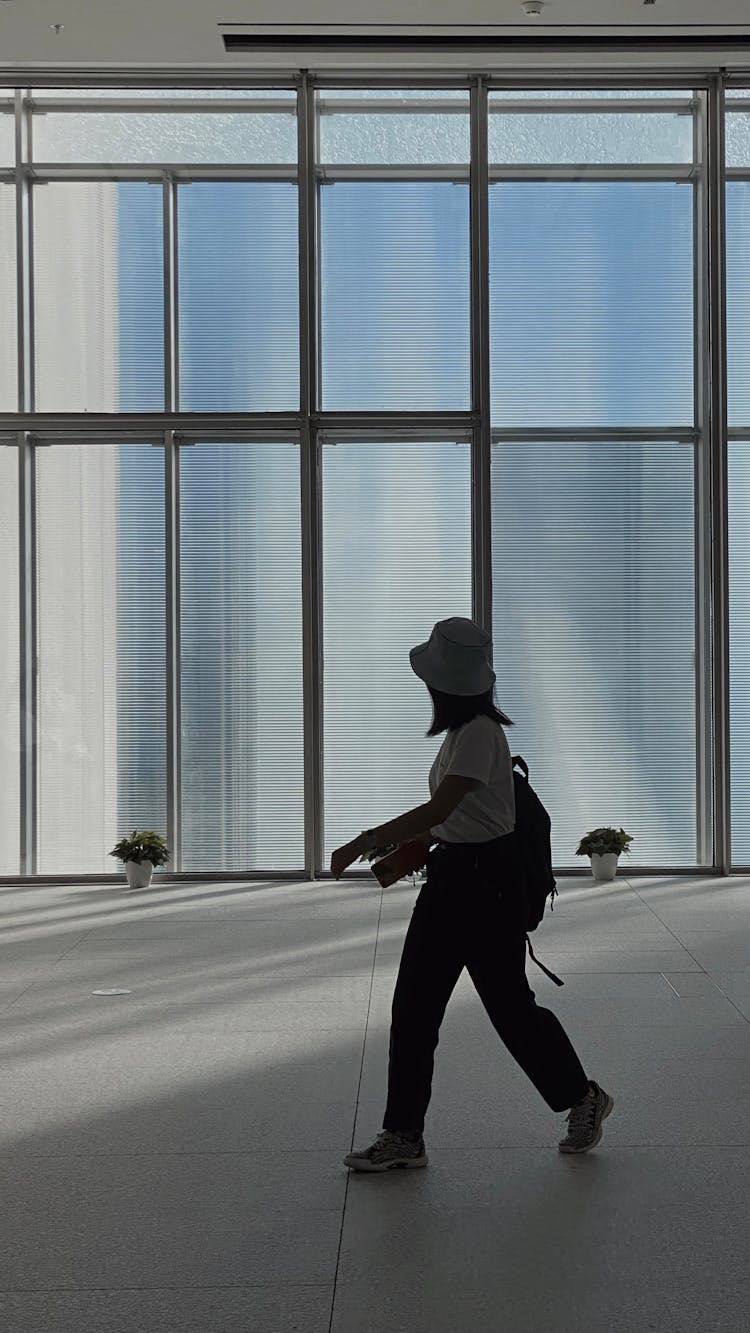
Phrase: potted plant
{"type": "Point", "coordinates": [140, 853]}
{"type": "Point", "coordinates": [604, 846]}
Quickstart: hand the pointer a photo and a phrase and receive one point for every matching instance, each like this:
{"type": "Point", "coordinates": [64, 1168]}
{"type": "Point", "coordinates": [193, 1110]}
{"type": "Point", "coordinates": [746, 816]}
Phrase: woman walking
{"type": "Point", "coordinates": [469, 913]}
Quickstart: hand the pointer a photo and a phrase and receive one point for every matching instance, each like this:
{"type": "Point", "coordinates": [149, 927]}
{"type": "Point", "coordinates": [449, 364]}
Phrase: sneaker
{"type": "Point", "coordinates": [585, 1120]}
{"type": "Point", "coordinates": [388, 1150]}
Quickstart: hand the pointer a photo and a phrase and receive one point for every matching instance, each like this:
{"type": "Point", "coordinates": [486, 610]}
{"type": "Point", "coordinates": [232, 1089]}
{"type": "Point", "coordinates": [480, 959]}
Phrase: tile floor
{"type": "Point", "coordinates": [170, 1159]}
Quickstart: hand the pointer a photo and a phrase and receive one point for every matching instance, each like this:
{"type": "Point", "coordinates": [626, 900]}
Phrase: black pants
{"type": "Point", "coordinates": [469, 913]}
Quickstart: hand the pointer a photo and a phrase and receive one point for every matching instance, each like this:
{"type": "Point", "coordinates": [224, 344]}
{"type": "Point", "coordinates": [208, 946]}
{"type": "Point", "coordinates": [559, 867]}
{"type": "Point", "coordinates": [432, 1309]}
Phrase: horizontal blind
{"type": "Point", "coordinates": [241, 657]}
{"type": "Point", "coordinates": [10, 711]}
{"type": "Point", "coordinates": [591, 304]}
{"type": "Point", "coordinates": [395, 296]}
{"type": "Point", "coordinates": [594, 633]}
{"type": "Point", "coordinates": [396, 558]}
{"type": "Point", "coordinates": [738, 303]}
{"type": "Point", "coordinates": [238, 249]}
{"type": "Point", "coordinates": [101, 630]}
{"type": "Point", "coordinates": [99, 315]}
{"type": "Point", "coordinates": [8, 301]}
{"type": "Point", "coordinates": [739, 645]}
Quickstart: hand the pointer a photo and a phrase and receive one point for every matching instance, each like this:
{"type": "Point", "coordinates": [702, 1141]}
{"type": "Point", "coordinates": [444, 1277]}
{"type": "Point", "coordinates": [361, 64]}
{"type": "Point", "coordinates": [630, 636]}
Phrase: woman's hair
{"type": "Point", "coordinates": [450, 711]}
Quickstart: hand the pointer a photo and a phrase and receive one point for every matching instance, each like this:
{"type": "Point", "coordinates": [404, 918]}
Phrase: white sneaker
{"type": "Point", "coordinates": [585, 1120]}
{"type": "Point", "coordinates": [388, 1151]}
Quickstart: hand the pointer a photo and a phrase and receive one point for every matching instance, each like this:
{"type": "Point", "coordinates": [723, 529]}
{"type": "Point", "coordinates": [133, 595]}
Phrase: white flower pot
{"type": "Point", "coordinates": [604, 866]}
{"type": "Point", "coordinates": [138, 873]}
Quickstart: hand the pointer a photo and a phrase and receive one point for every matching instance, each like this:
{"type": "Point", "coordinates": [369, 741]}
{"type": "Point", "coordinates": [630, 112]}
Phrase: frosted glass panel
{"type": "Point", "coordinates": [739, 646]}
{"type": "Point", "coordinates": [738, 302]}
{"type": "Point", "coordinates": [737, 138]}
{"type": "Point", "coordinates": [591, 303]}
{"type": "Point", "coordinates": [102, 729]}
{"type": "Point", "coordinates": [99, 327]}
{"type": "Point", "coordinates": [594, 631]}
{"type": "Point", "coordinates": [239, 296]}
{"type": "Point", "coordinates": [156, 136]}
{"type": "Point", "coordinates": [595, 137]}
{"type": "Point", "coordinates": [408, 135]}
{"type": "Point", "coordinates": [7, 136]}
{"type": "Point", "coordinates": [396, 558]}
{"type": "Point", "coordinates": [241, 599]}
{"type": "Point", "coordinates": [8, 328]}
{"type": "Point", "coordinates": [395, 296]}
{"type": "Point", "coordinates": [10, 716]}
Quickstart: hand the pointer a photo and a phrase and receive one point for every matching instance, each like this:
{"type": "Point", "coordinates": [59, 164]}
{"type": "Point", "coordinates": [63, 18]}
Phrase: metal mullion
{"type": "Point", "coordinates": [328, 173]}
{"type": "Point", "coordinates": [395, 424]}
{"type": "Point", "coordinates": [719, 494]}
{"type": "Point", "coordinates": [410, 81]}
{"type": "Point", "coordinates": [545, 171]}
{"type": "Point", "coordinates": [395, 435]}
{"type": "Point", "coordinates": [585, 106]}
{"type": "Point", "coordinates": [310, 499]}
{"type": "Point", "coordinates": [158, 77]}
{"type": "Point", "coordinates": [28, 665]}
{"type": "Point", "coordinates": [172, 643]}
{"type": "Point", "coordinates": [594, 434]}
{"type": "Point", "coordinates": [481, 453]}
{"type": "Point", "coordinates": [144, 423]}
{"type": "Point", "coordinates": [312, 649]}
{"type": "Point", "coordinates": [156, 106]}
{"type": "Point", "coordinates": [42, 172]}
{"type": "Point", "coordinates": [170, 294]}
{"type": "Point", "coordinates": [702, 495]}
{"type": "Point", "coordinates": [645, 78]}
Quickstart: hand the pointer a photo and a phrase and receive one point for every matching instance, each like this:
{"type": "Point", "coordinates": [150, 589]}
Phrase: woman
{"type": "Point", "coordinates": [469, 913]}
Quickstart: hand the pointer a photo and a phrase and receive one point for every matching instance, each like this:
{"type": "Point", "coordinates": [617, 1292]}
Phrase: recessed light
{"type": "Point", "coordinates": [532, 7]}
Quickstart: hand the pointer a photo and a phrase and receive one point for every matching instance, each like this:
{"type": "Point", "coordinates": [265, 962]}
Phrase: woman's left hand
{"type": "Point", "coordinates": [344, 856]}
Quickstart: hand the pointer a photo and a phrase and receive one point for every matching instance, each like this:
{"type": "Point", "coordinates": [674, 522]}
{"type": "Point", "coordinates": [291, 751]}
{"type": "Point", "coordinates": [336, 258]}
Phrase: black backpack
{"type": "Point", "coordinates": [533, 826]}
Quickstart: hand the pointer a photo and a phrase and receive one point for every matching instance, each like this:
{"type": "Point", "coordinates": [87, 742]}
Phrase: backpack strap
{"type": "Point", "coordinates": [551, 975]}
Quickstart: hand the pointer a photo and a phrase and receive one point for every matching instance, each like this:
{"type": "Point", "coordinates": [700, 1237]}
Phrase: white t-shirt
{"type": "Point", "coordinates": [478, 749]}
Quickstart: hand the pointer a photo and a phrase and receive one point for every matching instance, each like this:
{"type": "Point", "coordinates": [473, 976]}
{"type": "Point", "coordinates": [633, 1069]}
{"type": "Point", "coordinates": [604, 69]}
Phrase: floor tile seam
{"type": "Point", "coordinates": [223, 1286]}
{"type": "Point", "coordinates": [135, 1154]}
{"type": "Point", "coordinates": [356, 1117]}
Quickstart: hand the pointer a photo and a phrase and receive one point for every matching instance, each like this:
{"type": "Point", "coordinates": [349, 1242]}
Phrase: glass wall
{"type": "Point", "coordinates": [277, 417]}
{"type": "Point", "coordinates": [592, 328]}
{"type": "Point", "coordinates": [738, 467]}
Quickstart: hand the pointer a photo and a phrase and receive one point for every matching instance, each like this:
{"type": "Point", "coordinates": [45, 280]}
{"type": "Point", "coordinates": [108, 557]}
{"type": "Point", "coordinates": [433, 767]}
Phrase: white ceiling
{"type": "Point", "coordinates": [162, 33]}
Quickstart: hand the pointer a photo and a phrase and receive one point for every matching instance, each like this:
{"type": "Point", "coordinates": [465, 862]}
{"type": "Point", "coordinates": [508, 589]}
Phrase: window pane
{"type": "Point", "coordinates": [396, 558]}
{"type": "Point", "coordinates": [595, 137]}
{"type": "Point", "coordinates": [99, 327]}
{"type": "Point", "coordinates": [239, 296]}
{"type": "Point", "coordinates": [395, 295]}
{"type": "Point", "coordinates": [594, 613]}
{"type": "Point", "coordinates": [242, 726]}
{"type": "Point", "coordinates": [408, 133]}
{"type": "Point", "coordinates": [591, 303]}
{"type": "Point", "coordinates": [156, 136]}
{"type": "Point", "coordinates": [10, 791]}
{"type": "Point", "coordinates": [167, 94]}
{"type": "Point", "coordinates": [738, 302]}
{"type": "Point", "coordinates": [737, 138]}
{"type": "Point", "coordinates": [8, 307]}
{"type": "Point", "coordinates": [7, 135]}
{"type": "Point", "coordinates": [739, 645]}
{"type": "Point", "coordinates": [102, 712]}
